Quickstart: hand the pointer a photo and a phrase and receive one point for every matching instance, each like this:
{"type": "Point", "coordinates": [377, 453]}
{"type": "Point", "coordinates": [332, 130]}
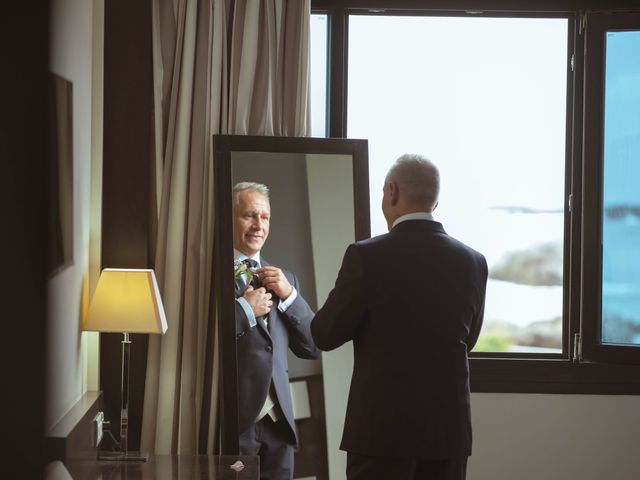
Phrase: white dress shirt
{"type": "Point", "coordinates": [413, 216]}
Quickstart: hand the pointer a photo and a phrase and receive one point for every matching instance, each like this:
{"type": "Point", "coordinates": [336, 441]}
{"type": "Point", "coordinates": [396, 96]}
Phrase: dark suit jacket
{"type": "Point", "coordinates": [412, 301]}
{"type": "Point", "coordinates": [262, 356]}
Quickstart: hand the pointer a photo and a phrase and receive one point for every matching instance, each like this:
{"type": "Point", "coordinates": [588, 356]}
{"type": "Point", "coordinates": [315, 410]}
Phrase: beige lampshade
{"type": "Point", "coordinates": [126, 301]}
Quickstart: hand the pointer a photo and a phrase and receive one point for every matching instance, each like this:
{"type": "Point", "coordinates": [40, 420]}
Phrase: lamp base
{"type": "Point", "coordinates": [124, 456]}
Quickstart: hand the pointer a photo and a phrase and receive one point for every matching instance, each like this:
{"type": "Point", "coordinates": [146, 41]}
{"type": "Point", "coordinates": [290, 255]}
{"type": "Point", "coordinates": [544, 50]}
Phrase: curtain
{"type": "Point", "coordinates": [220, 66]}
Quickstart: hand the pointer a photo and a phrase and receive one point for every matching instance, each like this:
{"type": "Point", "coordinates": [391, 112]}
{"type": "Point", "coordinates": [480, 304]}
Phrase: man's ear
{"type": "Point", "coordinates": [394, 193]}
{"type": "Point", "coordinates": [435, 206]}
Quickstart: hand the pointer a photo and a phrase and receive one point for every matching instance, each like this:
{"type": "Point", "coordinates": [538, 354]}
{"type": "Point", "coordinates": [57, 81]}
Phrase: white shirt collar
{"type": "Point", "coordinates": [413, 216]}
{"type": "Point", "coordinates": [238, 255]}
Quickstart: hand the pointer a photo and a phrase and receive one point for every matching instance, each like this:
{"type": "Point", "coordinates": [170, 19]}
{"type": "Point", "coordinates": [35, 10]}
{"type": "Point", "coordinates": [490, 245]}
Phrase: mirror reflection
{"type": "Point", "coordinates": [288, 237]}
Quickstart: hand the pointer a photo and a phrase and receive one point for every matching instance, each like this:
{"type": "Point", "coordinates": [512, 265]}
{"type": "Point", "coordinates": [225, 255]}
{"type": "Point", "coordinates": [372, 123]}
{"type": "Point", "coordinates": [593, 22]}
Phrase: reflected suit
{"type": "Point", "coordinates": [263, 362]}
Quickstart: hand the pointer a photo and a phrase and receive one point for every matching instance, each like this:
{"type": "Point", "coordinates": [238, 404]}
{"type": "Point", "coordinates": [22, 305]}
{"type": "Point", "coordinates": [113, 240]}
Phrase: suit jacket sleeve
{"type": "Point", "coordinates": [242, 321]}
{"type": "Point", "coordinates": [298, 320]}
{"type": "Point", "coordinates": [476, 324]}
{"type": "Point", "coordinates": [343, 313]}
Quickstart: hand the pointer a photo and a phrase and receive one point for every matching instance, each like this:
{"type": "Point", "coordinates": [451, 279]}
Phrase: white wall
{"type": "Point", "coordinates": [555, 437]}
{"type": "Point", "coordinates": [75, 52]}
{"type": "Point", "coordinates": [529, 436]}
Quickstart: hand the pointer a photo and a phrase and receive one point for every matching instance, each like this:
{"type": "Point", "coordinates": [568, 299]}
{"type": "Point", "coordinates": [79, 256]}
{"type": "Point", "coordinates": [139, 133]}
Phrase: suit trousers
{"type": "Point", "coordinates": [364, 467]}
{"type": "Point", "coordinates": [268, 439]}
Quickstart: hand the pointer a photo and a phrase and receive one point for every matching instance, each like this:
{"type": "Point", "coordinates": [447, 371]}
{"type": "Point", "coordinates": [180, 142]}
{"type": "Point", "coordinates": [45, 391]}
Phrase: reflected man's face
{"type": "Point", "coordinates": [251, 217]}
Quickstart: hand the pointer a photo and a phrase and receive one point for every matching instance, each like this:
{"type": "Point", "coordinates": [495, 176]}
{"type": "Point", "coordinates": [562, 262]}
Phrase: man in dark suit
{"type": "Point", "coordinates": [412, 301]}
{"type": "Point", "coordinates": [271, 317]}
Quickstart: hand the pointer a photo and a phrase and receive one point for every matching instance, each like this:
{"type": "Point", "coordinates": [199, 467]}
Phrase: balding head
{"type": "Point", "coordinates": [412, 185]}
{"type": "Point", "coordinates": [418, 179]}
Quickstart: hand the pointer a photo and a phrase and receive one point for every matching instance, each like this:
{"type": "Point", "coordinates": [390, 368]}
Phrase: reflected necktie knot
{"type": "Point", "coordinates": [250, 263]}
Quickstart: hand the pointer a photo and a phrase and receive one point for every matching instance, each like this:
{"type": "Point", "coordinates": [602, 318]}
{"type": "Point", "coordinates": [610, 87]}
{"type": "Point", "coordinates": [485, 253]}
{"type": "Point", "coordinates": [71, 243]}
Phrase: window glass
{"type": "Point", "coordinates": [485, 99]}
{"type": "Point", "coordinates": [621, 190]}
{"type": "Point", "coordinates": [318, 75]}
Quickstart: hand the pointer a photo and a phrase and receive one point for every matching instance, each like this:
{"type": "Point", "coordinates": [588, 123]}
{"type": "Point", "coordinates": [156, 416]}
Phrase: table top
{"type": "Point", "coordinates": [169, 467]}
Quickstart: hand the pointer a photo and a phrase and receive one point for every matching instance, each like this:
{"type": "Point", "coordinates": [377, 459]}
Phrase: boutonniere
{"type": "Point", "coordinates": [241, 269]}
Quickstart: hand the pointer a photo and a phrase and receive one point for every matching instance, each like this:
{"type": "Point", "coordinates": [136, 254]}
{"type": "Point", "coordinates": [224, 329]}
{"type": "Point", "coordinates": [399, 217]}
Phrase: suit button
{"type": "Point", "coordinates": [268, 348]}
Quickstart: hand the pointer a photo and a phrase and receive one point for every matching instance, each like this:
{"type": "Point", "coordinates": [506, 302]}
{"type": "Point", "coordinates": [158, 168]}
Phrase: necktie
{"type": "Point", "coordinates": [255, 282]}
{"type": "Point", "coordinates": [250, 262]}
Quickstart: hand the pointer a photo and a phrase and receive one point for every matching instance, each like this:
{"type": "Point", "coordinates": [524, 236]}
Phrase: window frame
{"type": "Point", "coordinates": [568, 372]}
{"type": "Point", "coordinates": [598, 24]}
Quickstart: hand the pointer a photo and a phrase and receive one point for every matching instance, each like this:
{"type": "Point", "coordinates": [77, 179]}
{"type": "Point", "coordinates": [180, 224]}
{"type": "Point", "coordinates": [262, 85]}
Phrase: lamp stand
{"type": "Point", "coordinates": [124, 454]}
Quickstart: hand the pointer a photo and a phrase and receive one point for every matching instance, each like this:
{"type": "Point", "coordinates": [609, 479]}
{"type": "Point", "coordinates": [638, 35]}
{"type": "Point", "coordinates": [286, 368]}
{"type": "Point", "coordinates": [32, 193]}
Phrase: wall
{"type": "Point", "coordinates": [555, 437]}
{"type": "Point", "coordinates": [72, 354]}
{"type": "Point", "coordinates": [523, 436]}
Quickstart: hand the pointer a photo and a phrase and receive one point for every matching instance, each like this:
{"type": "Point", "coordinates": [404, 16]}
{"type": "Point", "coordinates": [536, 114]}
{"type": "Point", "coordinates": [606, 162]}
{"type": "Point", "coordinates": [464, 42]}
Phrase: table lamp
{"type": "Point", "coordinates": [126, 301]}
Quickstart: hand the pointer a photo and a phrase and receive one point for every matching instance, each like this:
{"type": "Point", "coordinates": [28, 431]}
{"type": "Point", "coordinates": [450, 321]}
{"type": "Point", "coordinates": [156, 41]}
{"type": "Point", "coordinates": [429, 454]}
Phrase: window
{"type": "Point", "coordinates": [621, 190]}
{"type": "Point", "coordinates": [538, 147]}
{"type": "Point", "coordinates": [318, 81]}
{"type": "Point", "coordinates": [612, 161]}
{"type": "Point", "coordinates": [485, 99]}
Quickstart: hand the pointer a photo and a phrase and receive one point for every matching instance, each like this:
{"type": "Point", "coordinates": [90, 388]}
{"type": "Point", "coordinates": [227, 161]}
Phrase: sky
{"type": "Point", "coordinates": [484, 98]}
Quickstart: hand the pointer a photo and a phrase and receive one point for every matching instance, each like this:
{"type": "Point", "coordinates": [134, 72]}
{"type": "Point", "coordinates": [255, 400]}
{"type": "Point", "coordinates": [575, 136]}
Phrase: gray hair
{"type": "Point", "coordinates": [418, 177]}
{"type": "Point", "coordinates": [261, 188]}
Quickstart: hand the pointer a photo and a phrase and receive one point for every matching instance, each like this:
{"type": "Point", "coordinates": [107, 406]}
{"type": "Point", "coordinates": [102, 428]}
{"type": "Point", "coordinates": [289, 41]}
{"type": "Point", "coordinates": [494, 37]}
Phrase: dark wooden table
{"type": "Point", "coordinates": [168, 467]}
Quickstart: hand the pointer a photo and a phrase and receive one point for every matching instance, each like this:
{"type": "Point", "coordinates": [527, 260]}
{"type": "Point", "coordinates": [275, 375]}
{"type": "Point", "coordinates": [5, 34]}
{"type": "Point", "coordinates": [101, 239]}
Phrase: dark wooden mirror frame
{"type": "Point", "coordinates": [223, 147]}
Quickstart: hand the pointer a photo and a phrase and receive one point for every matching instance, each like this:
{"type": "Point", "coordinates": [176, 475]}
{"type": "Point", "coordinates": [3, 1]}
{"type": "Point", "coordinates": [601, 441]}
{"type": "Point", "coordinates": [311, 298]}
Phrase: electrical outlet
{"type": "Point", "coordinates": [97, 428]}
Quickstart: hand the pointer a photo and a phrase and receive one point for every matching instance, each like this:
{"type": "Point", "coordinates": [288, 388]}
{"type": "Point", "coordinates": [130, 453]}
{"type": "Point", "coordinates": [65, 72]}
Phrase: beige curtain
{"type": "Point", "coordinates": [220, 66]}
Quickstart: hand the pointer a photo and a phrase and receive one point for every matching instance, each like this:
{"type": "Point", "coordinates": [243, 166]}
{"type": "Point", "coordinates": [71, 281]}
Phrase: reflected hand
{"type": "Point", "coordinates": [259, 300]}
{"type": "Point", "coordinates": [274, 280]}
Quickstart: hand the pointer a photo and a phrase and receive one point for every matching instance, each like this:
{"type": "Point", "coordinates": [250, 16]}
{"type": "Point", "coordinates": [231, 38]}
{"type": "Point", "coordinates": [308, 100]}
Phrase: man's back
{"type": "Point", "coordinates": [412, 301]}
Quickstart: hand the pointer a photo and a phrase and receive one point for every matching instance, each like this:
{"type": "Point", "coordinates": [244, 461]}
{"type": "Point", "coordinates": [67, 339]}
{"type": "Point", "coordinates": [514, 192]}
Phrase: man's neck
{"type": "Point", "coordinates": [415, 215]}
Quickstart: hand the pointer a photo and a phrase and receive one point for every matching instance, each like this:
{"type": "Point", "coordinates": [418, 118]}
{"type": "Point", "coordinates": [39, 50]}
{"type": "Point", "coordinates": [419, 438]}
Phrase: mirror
{"type": "Point", "coordinates": [60, 145]}
{"type": "Point", "coordinates": [319, 202]}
